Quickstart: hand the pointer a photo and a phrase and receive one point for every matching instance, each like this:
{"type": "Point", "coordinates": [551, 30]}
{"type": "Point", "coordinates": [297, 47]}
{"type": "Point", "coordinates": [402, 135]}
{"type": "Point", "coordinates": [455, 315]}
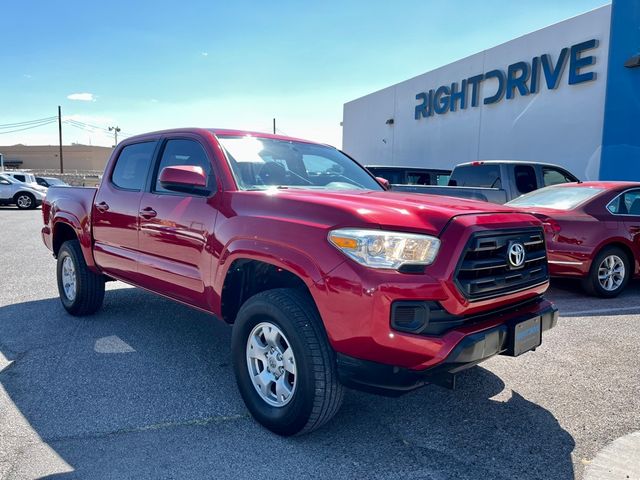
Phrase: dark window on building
{"type": "Point", "coordinates": [132, 166]}
{"type": "Point", "coordinates": [183, 152]}
{"type": "Point", "coordinates": [525, 178]}
{"type": "Point", "coordinates": [476, 176]}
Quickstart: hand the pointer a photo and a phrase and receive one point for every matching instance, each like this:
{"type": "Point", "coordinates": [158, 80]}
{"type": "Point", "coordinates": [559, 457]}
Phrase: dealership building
{"type": "Point", "coordinates": [567, 94]}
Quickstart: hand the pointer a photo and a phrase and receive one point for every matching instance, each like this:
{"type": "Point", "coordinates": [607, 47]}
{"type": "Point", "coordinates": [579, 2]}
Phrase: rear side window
{"type": "Point", "coordinates": [183, 152]}
{"type": "Point", "coordinates": [395, 177]}
{"type": "Point", "coordinates": [552, 176]}
{"type": "Point", "coordinates": [132, 166]}
{"type": "Point", "coordinates": [476, 176]}
{"type": "Point", "coordinates": [418, 178]}
{"type": "Point", "coordinates": [20, 178]}
{"type": "Point", "coordinates": [626, 204]}
{"type": "Point", "coordinates": [525, 178]}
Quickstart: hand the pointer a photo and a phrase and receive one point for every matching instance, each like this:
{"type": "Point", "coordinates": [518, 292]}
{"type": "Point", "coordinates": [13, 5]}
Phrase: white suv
{"type": "Point", "coordinates": [23, 195]}
{"type": "Point", "coordinates": [23, 177]}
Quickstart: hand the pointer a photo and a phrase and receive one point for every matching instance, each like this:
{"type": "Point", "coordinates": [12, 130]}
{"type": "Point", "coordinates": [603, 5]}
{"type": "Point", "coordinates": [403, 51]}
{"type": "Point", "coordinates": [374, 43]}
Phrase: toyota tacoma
{"type": "Point", "coordinates": [328, 280]}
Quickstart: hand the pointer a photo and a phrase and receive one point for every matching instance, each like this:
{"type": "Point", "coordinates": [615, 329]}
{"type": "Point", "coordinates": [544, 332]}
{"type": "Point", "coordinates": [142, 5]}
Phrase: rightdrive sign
{"type": "Point", "coordinates": [520, 78]}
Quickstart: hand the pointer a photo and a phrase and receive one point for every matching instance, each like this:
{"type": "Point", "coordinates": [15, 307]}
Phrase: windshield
{"type": "Point", "coordinates": [262, 163]}
{"type": "Point", "coordinates": [560, 198]}
{"type": "Point", "coordinates": [54, 181]}
{"type": "Point", "coordinates": [8, 178]}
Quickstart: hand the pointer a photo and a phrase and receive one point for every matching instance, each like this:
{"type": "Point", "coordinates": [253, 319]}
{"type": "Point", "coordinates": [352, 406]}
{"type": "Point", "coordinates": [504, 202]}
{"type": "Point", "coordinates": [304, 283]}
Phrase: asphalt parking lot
{"type": "Point", "coordinates": [145, 389]}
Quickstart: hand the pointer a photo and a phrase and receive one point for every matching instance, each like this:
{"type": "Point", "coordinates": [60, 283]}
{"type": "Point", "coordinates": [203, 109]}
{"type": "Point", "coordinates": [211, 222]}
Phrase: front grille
{"type": "Point", "coordinates": [485, 271]}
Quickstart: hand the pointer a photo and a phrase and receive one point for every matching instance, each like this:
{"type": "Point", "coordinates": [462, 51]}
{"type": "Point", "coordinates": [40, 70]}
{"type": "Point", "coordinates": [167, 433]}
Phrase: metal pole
{"type": "Point", "coordinates": [60, 138]}
{"type": "Point", "coordinates": [115, 129]}
{"type": "Point", "coordinates": [274, 126]}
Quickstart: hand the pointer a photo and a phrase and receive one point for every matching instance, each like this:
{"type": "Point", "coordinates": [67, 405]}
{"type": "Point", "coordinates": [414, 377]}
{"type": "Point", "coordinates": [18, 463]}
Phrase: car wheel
{"type": "Point", "coordinates": [609, 273]}
{"type": "Point", "coordinates": [283, 363]}
{"type": "Point", "coordinates": [25, 201]}
{"type": "Point", "coordinates": [81, 290]}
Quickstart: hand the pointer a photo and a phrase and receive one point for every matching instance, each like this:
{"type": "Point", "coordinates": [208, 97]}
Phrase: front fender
{"type": "Point", "coordinates": [298, 262]}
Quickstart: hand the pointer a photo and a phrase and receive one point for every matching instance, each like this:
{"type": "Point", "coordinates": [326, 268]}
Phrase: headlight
{"type": "Point", "coordinates": [381, 249]}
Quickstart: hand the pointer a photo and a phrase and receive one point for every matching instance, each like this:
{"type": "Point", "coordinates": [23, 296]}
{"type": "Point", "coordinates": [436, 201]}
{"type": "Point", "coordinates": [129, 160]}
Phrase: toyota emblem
{"type": "Point", "coordinates": [516, 255]}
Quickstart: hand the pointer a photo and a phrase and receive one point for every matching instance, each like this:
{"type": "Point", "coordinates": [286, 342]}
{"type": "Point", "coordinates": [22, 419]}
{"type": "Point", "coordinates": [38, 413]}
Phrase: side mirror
{"type": "Point", "coordinates": [384, 182]}
{"type": "Point", "coordinates": [184, 178]}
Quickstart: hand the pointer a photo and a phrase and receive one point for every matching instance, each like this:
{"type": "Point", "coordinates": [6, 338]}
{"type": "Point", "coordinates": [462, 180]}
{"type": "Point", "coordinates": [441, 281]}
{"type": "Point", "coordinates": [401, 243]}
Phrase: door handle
{"type": "Point", "coordinates": [148, 212]}
{"type": "Point", "coordinates": [102, 207]}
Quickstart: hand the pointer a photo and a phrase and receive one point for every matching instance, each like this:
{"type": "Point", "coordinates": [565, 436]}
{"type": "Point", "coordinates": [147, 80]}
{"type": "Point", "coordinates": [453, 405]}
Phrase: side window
{"type": "Point", "coordinates": [476, 176]}
{"type": "Point", "coordinates": [442, 180]}
{"type": "Point", "coordinates": [395, 177]}
{"type": "Point", "coordinates": [551, 176]}
{"type": "Point", "coordinates": [183, 152]}
{"type": "Point", "coordinates": [418, 178]}
{"type": "Point", "coordinates": [626, 204]}
{"type": "Point", "coordinates": [525, 177]}
{"type": "Point", "coordinates": [132, 166]}
{"type": "Point", "coordinates": [20, 178]}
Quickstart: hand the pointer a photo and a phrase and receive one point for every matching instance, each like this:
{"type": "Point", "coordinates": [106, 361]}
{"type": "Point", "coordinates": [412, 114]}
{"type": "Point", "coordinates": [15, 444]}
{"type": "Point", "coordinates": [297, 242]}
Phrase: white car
{"type": "Point", "coordinates": [23, 177]}
{"type": "Point", "coordinates": [23, 195]}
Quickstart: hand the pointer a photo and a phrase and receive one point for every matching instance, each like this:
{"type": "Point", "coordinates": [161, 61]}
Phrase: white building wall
{"type": "Point", "coordinates": [562, 126]}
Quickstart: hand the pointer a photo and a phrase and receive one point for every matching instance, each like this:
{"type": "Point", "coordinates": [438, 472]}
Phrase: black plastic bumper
{"type": "Point", "coordinates": [475, 348]}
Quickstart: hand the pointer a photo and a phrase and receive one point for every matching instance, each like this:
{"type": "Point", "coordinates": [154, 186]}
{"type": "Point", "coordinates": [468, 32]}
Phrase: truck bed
{"type": "Point", "coordinates": [493, 195]}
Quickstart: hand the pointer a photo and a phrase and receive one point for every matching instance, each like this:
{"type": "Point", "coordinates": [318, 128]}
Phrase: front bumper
{"type": "Point", "coordinates": [472, 349]}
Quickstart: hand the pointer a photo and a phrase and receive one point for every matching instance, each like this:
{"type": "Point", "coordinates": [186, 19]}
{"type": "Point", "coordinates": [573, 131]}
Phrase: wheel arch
{"type": "Point", "coordinates": [67, 227]}
{"type": "Point", "coordinates": [247, 277]}
{"type": "Point", "coordinates": [622, 245]}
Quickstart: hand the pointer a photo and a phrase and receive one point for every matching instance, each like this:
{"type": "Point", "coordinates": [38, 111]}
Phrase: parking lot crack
{"type": "Point", "coordinates": [196, 422]}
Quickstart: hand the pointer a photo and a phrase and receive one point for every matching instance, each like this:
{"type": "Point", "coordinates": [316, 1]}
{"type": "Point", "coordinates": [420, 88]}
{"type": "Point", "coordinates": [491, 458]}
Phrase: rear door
{"type": "Point", "coordinates": [115, 210]}
{"type": "Point", "coordinates": [175, 227]}
{"type": "Point", "coordinates": [626, 208]}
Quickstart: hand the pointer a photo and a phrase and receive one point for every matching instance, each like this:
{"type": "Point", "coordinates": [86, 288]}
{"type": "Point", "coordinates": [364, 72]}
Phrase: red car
{"type": "Point", "coordinates": [592, 231]}
{"type": "Point", "coordinates": [328, 279]}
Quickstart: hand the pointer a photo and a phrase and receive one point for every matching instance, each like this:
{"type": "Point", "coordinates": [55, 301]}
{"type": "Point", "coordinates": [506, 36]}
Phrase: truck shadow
{"type": "Point", "coordinates": [144, 389]}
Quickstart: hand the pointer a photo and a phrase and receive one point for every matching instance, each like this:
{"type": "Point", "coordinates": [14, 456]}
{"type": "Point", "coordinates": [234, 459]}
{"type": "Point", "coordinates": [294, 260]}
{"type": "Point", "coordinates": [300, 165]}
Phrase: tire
{"type": "Point", "coordinates": [25, 201]}
{"type": "Point", "coordinates": [88, 293]}
{"type": "Point", "coordinates": [316, 395]}
{"type": "Point", "coordinates": [608, 256]}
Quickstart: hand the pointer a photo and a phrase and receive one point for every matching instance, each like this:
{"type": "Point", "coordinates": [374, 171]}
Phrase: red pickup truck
{"type": "Point", "coordinates": [328, 279]}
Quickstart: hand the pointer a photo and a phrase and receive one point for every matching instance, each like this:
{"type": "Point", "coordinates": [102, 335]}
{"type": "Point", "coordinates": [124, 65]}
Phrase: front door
{"type": "Point", "coordinates": [175, 228]}
{"type": "Point", "coordinates": [115, 211]}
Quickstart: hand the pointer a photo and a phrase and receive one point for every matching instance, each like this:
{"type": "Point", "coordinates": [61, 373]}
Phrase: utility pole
{"type": "Point", "coordinates": [274, 126]}
{"type": "Point", "coordinates": [60, 137]}
{"type": "Point", "coordinates": [115, 131]}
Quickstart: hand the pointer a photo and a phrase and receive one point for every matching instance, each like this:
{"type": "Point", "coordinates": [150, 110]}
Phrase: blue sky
{"type": "Point", "coordinates": [147, 65]}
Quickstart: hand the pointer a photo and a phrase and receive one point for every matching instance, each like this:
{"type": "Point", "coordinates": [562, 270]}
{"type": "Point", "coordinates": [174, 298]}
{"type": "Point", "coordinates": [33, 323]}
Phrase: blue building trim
{"type": "Point", "coordinates": [620, 154]}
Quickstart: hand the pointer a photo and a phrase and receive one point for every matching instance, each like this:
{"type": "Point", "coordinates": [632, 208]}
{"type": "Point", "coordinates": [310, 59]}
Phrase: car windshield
{"type": "Point", "coordinates": [560, 198]}
{"type": "Point", "coordinates": [54, 181]}
{"type": "Point", "coordinates": [263, 163]}
{"type": "Point", "coordinates": [8, 178]}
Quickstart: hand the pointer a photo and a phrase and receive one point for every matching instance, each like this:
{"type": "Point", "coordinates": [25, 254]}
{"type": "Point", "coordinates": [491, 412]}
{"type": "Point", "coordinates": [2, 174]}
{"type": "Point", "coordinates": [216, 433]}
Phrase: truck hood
{"type": "Point", "coordinates": [356, 208]}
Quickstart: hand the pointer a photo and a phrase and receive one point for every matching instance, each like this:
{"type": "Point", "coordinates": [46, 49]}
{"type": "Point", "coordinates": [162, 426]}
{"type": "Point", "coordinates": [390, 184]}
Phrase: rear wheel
{"type": "Point", "coordinates": [81, 290]}
{"type": "Point", "coordinates": [284, 366]}
{"type": "Point", "coordinates": [609, 273]}
{"type": "Point", "coordinates": [25, 201]}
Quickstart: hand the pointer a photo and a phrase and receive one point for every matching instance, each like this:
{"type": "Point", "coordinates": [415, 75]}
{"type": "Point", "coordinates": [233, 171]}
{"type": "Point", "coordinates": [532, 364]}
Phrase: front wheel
{"type": "Point", "coordinates": [609, 273]}
{"type": "Point", "coordinates": [284, 366]}
{"type": "Point", "coordinates": [81, 290]}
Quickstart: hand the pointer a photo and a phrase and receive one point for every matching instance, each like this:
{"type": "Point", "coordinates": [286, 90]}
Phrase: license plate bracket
{"type": "Point", "coordinates": [525, 335]}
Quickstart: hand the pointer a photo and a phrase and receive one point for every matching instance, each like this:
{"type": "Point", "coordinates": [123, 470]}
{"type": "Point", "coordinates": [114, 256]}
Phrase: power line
{"type": "Point", "coordinates": [25, 123]}
{"type": "Point", "coordinates": [30, 127]}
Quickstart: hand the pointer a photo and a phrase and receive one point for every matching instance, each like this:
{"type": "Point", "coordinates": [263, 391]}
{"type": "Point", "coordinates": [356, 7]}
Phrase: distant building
{"type": "Point", "coordinates": [47, 157]}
